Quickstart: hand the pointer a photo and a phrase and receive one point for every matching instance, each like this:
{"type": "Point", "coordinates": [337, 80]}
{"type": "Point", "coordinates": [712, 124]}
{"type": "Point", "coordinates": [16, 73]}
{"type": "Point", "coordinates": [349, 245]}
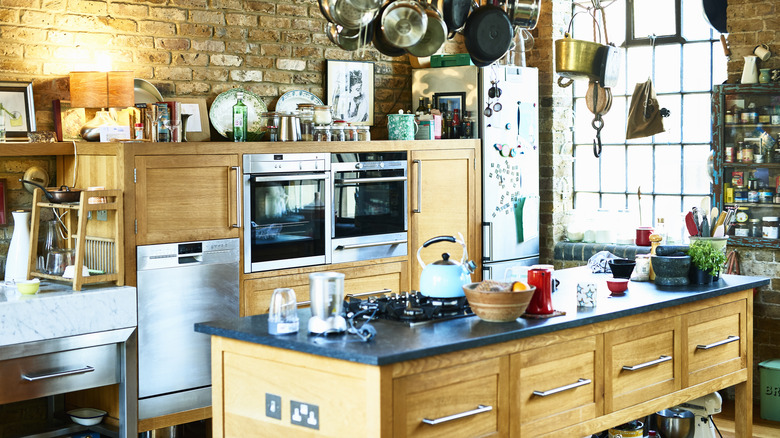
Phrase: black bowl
{"type": "Point", "coordinates": [622, 268]}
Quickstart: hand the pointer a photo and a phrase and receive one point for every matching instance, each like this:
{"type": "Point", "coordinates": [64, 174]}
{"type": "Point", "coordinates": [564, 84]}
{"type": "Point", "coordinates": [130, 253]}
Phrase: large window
{"type": "Point", "coordinates": [684, 58]}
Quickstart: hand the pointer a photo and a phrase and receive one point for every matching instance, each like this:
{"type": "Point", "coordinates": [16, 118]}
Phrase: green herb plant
{"type": "Point", "coordinates": [705, 257]}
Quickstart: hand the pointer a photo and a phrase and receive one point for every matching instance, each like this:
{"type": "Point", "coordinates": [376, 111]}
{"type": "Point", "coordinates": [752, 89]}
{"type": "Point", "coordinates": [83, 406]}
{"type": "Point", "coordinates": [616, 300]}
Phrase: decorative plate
{"type": "Point", "coordinates": [221, 113]}
{"type": "Point", "coordinates": [289, 101]}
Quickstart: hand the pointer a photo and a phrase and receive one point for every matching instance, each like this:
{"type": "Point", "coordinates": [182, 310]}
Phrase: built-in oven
{"type": "Point", "coordinates": [369, 205]}
{"type": "Point", "coordinates": [287, 214]}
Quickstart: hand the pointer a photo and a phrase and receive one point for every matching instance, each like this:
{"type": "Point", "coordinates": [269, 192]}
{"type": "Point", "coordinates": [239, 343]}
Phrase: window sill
{"type": "Point", "coordinates": [584, 251]}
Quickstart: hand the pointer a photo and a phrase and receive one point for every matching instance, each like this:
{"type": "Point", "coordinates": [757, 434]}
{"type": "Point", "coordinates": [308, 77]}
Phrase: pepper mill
{"type": "Point", "coordinates": [655, 240]}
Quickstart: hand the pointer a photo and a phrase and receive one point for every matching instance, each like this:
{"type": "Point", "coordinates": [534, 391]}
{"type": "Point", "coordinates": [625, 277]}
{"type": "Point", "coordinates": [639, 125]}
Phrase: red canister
{"type": "Point", "coordinates": [643, 236]}
{"type": "Point", "coordinates": [541, 302]}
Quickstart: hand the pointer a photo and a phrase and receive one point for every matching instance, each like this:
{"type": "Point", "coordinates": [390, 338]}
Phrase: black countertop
{"type": "Point", "coordinates": [398, 342]}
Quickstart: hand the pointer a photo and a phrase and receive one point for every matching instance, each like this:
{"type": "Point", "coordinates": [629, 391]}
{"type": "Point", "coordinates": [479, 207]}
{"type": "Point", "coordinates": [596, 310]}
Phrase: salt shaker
{"type": "Point", "coordinates": [283, 312]}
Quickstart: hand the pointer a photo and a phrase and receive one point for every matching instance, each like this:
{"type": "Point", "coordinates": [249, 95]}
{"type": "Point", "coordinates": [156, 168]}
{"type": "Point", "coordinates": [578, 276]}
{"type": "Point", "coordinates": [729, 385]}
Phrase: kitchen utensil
{"type": "Point", "coordinates": [445, 278]}
{"type": "Point", "coordinates": [617, 286]}
{"type": "Point", "coordinates": [541, 302]}
{"type": "Point", "coordinates": [401, 127]}
{"type": "Point", "coordinates": [488, 34]}
{"type": "Point", "coordinates": [345, 14]}
{"type": "Point", "coordinates": [494, 301]}
{"type": "Point", "coordinates": [283, 312]}
{"type": "Point", "coordinates": [58, 259]}
{"type": "Point", "coordinates": [704, 227]}
{"type": "Point", "coordinates": [380, 41]}
{"type": "Point", "coordinates": [365, 5]}
{"type": "Point", "coordinates": [289, 127]}
{"type": "Point", "coordinates": [719, 222]}
{"type": "Point", "coordinates": [621, 268]}
{"type": "Point", "coordinates": [435, 34]}
{"type": "Point", "coordinates": [750, 70]}
{"type": "Point", "coordinates": [28, 287]}
{"type": "Point", "coordinates": [713, 218]}
{"type": "Point", "coordinates": [145, 92]}
{"type": "Point", "coordinates": [577, 59]}
{"type": "Point", "coordinates": [455, 13]}
{"type": "Point", "coordinates": [675, 423]}
{"type": "Point", "coordinates": [87, 416]}
{"type": "Point", "coordinates": [715, 13]}
{"type": "Point", "coordinates": [671, 270]}
{"type": "Point", "coordinates": [347, 39]}
{"type": "Point", "coordinates": [404, 23]}
{"type": "Point", "coordinates": [524, 13]}
{"type": "Point", "coordinates": [63, 194]}
{"type": "Point", "coordinates": [35, 174]}
{"type": "Point", "coordinates": [326, 291]}
{"type": "Point", "coordinates": [643, 236]}
{"type": "Point", "coordinates": [690, 224]}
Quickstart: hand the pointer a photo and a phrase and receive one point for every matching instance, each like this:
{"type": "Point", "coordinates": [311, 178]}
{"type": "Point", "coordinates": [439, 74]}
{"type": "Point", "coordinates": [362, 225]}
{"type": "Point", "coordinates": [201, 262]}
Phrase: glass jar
{"type": "Point", "coordinates": [755, 227]}
{"type": "Point", "coordinates": [351, 133]}
{"type": "Point", "coordinates": [337, 133]}
{"type": "Point", "coordinates": [322, 133]}
{"type": "Point", "coordinates": [364, 133]}
{"type": "Point", "coordinates": [729, 117]}
{"type": "Point", "coordinates": [728, 155]}
{"type": "Point", "coordinates": [769, 227]}
{"type": "Point", "coordinates": [270, 122]}
{"type": "Point", "coordinates": [322, 115]}
{"type": "Point", "coordinates": [306, 118]}
{"type": "Point", "coordinates": [765, 115]}
{"type": "Point", "coordinates": [747, 152]}
{"type": "Point", "coordinates": [766, 195]}
{"type": "Point", "coordinates": [742, 216]}
{"type": "Point", "coordinates": [741, 230]}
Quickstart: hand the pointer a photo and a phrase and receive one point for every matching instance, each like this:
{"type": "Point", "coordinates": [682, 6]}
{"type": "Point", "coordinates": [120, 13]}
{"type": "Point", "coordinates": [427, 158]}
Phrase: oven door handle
{"type": "Point", "coordinates": [370, 180]}
{"type": "Point", "coordinates": [238, 195]}
{"type": "Point", "coordinates": [288, 177]}
{"type": "Point", "coordinates": [368, 245]}
{"type": "Point", "coordinates": [419, 186]}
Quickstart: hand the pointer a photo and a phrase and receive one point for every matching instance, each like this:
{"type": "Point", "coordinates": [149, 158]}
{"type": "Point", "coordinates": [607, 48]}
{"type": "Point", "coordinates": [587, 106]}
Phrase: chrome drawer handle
{"type": "Point", "coordinates": [368, 245]}
{"type": "Point", "coordinates": [34, 377]}
{"type": "Point", "coordinates": [369, 180]}
{"type": "Point", "coordinates": [419, 186]}
{"type": "Point", "coordinates": [238, 192]}
{"type": "Point", "coordinates": [577, 384]}
{"type": "Point", "coordinates": [479, 410]}
{"type": "Point", "coordinates": [660, 360]}
{"type": "Point", "coordinates": [728, 340]}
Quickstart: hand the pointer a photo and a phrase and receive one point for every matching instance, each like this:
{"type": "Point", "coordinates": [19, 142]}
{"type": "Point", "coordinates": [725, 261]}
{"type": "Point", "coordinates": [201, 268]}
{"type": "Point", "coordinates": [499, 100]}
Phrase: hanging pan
{"type": "Point", "coordinates": [487, 35]}
{"type": "Point", "coordinates": [455, 13]}
{"type": "Point", "coordinates": [524, 13]}
{"type": "Point", "coordinates": [435, 34]}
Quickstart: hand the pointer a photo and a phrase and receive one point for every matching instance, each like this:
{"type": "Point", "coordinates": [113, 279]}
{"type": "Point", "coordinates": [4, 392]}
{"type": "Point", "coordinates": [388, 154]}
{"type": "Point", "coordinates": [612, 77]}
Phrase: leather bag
{"type": "Point", "coordinates": [644, 115]}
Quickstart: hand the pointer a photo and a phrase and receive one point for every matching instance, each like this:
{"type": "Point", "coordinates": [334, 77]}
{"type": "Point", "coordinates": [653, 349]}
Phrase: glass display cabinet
{"type": "Point", "coordinates": [746, 164]}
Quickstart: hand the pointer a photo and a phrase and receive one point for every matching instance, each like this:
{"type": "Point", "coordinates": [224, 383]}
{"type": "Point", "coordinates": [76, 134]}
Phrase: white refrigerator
{"type": "Point", "coordinates": [510, 155]}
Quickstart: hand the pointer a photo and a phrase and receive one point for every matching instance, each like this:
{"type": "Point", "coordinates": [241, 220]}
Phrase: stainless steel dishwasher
{"type": "Point", "coordinates": [180, 284]}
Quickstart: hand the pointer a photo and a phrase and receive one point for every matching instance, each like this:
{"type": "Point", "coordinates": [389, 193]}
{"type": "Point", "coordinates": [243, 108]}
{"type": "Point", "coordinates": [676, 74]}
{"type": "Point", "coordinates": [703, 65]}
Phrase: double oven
{"type": "Point", "coordinates": [304, 209]}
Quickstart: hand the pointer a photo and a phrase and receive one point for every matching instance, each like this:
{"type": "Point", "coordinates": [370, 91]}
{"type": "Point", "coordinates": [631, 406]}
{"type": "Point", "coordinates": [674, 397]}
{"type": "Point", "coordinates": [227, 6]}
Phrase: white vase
{"type": "Point", "coordinates": [750, 71]}
{"type": "Point", "coordinates": [18, 255]}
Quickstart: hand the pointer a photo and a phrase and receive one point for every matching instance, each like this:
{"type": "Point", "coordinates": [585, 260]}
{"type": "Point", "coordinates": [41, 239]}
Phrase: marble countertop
{"type": "Point", "coordinates": [58, 311]}
{"type": "Point", "coordinates": [397, 342]}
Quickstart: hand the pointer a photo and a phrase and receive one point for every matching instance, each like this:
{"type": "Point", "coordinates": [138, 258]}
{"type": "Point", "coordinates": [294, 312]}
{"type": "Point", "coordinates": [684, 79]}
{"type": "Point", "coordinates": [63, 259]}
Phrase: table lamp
{"type": "Point", "coordinates": [95, 89]}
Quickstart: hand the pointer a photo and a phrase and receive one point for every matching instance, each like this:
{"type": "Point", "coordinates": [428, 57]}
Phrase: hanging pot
{"type": "Point", "coordinates": [349, 39]}
{"type": "Point", "coordinates": [404, 23]}
{"type": "Point", "coordinates": [435, 34]}
{"type": "Point", "coordinates": [344, 14]}
{"type": "Point", "coordinates": [487, 35]}
{"type": "Point", "coordinates": [380, 41]}
{"type": "Point", "coordinates": [455, 13]}
{"type": "Point", "coordinates": [577, 59]}
{"type": "Point", "coordinates": [524, 13]}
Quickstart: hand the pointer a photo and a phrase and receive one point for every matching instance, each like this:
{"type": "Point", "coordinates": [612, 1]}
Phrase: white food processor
{"type": "Point", "coordinates": [703, 408]}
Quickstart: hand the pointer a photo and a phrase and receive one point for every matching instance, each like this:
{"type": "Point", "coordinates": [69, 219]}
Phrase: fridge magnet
{"type": "Point", "coordinates": [350, 91]}
{"type": "Point", "coordinates": [16, 108]}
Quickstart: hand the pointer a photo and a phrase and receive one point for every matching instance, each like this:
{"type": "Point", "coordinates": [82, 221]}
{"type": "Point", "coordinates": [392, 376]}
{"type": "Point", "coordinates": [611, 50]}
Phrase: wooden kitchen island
{"type": "Point", "coordinates": [570, 375]}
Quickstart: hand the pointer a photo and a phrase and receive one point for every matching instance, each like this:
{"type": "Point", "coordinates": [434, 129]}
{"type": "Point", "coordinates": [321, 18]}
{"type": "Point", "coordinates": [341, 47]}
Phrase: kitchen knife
{"type": "Point", "coordinates": [690, 223]}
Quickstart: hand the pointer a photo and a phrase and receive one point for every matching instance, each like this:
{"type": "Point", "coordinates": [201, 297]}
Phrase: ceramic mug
{"type": "Point", "coordinates": [401, 127]}
{"type": "Point", "coordinates": [762, 51]}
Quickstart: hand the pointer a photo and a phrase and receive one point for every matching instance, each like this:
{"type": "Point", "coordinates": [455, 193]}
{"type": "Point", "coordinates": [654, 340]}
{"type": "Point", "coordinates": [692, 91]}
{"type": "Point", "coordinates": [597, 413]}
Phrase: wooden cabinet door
{"type": "Point", "coordinates": [556, 386]}
{"type": "Point", "coordinates": [642, 363]}
{"type": "Point", "coordinates": [443, 202]}
{"type": "Point", "coordinates": [371, 278]}
{"type": "Point", "coordinates": [715, 342]}
{"type": "Point", "coordinates": [469, 400]}
{"type": "Point", "coordinates": [181, 198]}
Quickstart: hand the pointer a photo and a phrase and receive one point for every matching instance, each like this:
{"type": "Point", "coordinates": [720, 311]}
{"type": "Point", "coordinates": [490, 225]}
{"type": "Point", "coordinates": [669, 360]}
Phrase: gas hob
{"type": "Point", "coordinates": [412, 308]}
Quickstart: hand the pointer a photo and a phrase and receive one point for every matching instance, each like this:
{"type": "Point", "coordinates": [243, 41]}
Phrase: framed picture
{"type": "Point", "coordinates": [198, 122]}
{"type": "Point", "coordinates": [68, 121]}
{"type": "Point", "coordinates": [350, 91]}
{"type": "Point", "coordinates": [454, 101]}
{"type": "Point", "coordinates": [16, 106]}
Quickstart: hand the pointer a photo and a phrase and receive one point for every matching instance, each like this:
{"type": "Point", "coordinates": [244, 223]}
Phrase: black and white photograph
{"type": "Point", "coordinates": [350, 91]}
{"type": "Point", "coordinates": [16, 108]}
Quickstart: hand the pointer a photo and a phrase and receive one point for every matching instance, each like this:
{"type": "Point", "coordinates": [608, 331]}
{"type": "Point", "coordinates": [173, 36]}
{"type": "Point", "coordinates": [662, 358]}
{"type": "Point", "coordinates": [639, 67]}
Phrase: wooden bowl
{"type": "Point", "coordinates": [495, 301]}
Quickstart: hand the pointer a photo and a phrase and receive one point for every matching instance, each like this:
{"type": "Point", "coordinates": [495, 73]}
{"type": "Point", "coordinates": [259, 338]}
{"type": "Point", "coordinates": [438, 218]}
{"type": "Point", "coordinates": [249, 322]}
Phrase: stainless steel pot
{"type": "Point", "coordinates": [404, 23]}
{"type": "Point", "coordinates": [349, 39]}
{"type": "Point", "coordinates": [344, 14]}
{"type": "Point", "coordinates": [435, 34]}
{"type": "Point", "coordinates": [289, 127]}
{"type": "Point", "coordinates": [524, 13]}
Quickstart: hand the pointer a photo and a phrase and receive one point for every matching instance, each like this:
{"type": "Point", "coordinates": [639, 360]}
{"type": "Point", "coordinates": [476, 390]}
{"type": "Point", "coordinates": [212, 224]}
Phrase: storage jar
{"type": "Point", "coordinates": [755, 228]}
{"type": "Point", "coordinates": [322, 115]}
{"type": "Point", "coordinates": [770, 226]}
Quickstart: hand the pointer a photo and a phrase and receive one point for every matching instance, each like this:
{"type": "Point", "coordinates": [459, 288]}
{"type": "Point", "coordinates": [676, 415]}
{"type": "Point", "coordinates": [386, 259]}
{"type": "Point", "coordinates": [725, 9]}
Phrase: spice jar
{"type": "Point", "coordinates": [351, 133]}
{"type": "Point", "coordinates": [770, 226]}
{"type": "Point", "coordinates": [747, 152]}
{"type": "Point", "coordinates": [306, 118]}
{"type": "Point", "coordinates": [322, 133]}
{"type": "Point", "coordinates": [755, 228]}
{"type": "Point", "coordinates": [337, 133]}
{"type": "Point", "coordinates": [364, 133]}
{"type": "Point", "coordinates": [728, 155]}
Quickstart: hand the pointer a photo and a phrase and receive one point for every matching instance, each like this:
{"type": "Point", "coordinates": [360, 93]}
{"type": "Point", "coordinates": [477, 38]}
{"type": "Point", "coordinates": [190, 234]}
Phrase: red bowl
{"type": "Point", "coordinates": [617, 285]}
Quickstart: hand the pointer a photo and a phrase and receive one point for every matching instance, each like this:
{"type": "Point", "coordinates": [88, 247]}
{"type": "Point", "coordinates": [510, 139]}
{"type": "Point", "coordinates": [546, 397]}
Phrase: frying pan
{"type": "Point", "coordinates": [455, 13]}
{"type": "Point", "coordinates": [64, 194]}
{"type": "Point", "coordinates": [380, 42]}
{"type": "Point", "coordinates": [715, 12]}
{"type": "Point", "coordinates": [488, 34]}
{"type": "Point", "coordinates": [435, 34]}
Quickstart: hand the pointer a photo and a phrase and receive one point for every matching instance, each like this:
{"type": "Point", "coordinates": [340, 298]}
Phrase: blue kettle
{"type": "Point", "coordinates": [445, 278]}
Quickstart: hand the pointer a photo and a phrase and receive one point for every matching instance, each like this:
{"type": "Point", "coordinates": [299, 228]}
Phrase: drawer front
{"type": "Point", "coordinates": [642, 363]}
{"type": "Point", "coordinates": [464, 400]}
{"type": "Point", "coordinates": [55, 373]}
{"type": "Point", "coordinates": [715, 343]}
{"type": "Point", "coordinates": [556, 386]}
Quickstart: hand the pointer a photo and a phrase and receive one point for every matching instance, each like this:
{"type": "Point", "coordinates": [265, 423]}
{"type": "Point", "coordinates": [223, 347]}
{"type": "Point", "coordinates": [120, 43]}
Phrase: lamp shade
{"type": "Point", "coordinates": [95, 89]}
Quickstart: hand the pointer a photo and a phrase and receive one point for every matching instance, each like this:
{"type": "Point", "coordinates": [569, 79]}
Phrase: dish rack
{"type": "Point", "coordinates": [102, 255]}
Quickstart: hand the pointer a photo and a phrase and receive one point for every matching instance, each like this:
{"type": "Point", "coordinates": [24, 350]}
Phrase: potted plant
{"type": "Point", "coordinates": [706, 262]}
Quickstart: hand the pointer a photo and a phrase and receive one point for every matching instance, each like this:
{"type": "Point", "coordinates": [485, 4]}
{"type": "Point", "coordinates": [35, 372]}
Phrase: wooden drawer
{"type": "Point", "coordinates": [257, 292]}
{"type": "Point", "coordinates": [642, 362]}
{"type": "Point", "coordinates": [477, 391]}
{"type": "Point", "coordinates": [556, 386]}
{"type": "Point", "coordinates": [60, 372]}
{"type": "Point", "coordinates": [714, 342]}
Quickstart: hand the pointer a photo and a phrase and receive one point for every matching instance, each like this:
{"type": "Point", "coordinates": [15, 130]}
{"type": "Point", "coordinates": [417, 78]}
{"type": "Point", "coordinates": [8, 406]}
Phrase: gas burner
{"type": "Point", "coordinates": [410, 307]}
